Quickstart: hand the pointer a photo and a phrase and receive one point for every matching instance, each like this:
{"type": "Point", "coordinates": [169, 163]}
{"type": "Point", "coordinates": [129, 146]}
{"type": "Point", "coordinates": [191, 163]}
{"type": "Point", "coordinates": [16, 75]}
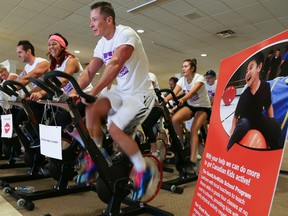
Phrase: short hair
{"type": "Point", "coordinates": [175, 79]}
{"type": "Point", "coordinates": [26, 46]}
{"type": "Point", "coordinates": [2, 67]}
{"type": "Point", "coordinates": [258, 58]}
{"type": "Point", "coordinates": [105, 9]}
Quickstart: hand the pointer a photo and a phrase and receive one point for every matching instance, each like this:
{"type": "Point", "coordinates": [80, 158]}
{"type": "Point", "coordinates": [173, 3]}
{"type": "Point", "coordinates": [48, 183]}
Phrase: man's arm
{"type": "Point", "coordinates": [120, 56]}
{"type": "Point", "coordinates": [39, 70]}
{"type": "Point", "coordinates": [88, 73]}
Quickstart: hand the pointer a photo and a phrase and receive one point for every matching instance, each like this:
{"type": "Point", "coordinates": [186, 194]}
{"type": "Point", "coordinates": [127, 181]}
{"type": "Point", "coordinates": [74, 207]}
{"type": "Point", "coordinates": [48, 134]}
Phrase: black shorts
{"type": "Point", "coordinates": [193, 109]}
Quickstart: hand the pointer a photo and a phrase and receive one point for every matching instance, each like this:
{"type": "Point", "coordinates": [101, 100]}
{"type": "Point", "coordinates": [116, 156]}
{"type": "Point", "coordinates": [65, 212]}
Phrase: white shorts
{"type": "Point", "coordinates": [128, 111]}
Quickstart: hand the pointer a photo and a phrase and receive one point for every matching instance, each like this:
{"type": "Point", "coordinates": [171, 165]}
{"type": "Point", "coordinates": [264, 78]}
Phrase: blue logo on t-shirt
{"type": "Point", "coordinates": [106, 58]}
{"type": "Point", "coordinates": [193, 98]}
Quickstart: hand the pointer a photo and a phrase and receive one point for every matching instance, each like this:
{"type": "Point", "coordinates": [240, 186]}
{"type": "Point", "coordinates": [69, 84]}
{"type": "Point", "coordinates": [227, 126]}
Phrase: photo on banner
{"type": "Point", "coordinates": [247, 133]}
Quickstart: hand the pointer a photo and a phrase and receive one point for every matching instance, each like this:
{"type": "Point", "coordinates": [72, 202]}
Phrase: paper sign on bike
{"type": "Point", "coordinates": [50, 141]}
{"type": "Point", "coordinates": [7, 126]}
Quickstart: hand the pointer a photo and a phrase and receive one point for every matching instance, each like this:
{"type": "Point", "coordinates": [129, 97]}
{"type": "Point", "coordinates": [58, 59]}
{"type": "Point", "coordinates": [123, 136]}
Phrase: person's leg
{"type": "Point", "coordinates": [242, 127]}
{"type": "Point", "coordinates": [180, 116]}
{"type": "Point", "coordinates": [94, 113]}
{"type": "Point", "coordinates": [126, 143]}
{"type": "Point", "coordinates": [199, 119]}
{"type": "Point", "coordinates": [130, 113]}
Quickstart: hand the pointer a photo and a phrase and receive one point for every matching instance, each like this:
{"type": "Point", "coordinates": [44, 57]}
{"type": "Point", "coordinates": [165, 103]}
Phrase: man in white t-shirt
{"type": "Point", "coordinates": [154, 80]}
{"type": "Point", "coordinates": [35, 67]}
{"type": "Point", "coordinates": [211, 83]}
{"type": "Point", "coordinates": [121, 51]}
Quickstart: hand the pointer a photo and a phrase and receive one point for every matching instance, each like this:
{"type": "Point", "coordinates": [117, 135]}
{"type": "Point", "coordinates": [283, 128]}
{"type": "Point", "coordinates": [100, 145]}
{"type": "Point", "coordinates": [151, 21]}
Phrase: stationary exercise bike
{"type": "Point", "coordinates": [10, 148]}
{"type": "Point", "coordinates": [153, 135]}
{"type": "Point", "coordinates": [32, 157]}
{"type": "Point", "coordinates": [181, 151]}
{"type": "Point", "coordinates": [61, 171]}
{"type": "Point", "coordinates": [114, 182]}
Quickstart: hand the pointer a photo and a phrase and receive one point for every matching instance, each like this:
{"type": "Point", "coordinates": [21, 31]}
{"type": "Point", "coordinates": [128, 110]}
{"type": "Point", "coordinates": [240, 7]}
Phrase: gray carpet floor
{"type": "Point", "coordinates": [88, 203]}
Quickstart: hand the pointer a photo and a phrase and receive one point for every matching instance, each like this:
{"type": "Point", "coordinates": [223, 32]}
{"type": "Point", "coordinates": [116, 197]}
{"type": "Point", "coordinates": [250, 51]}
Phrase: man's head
{"type": "Point", "coordinates": [102, 19]}
{"type": "Point", "coordinates": [172, 82]}
{"type": "Point", "coordinates": [3, 72]}
{"type": "Point", "coordinates": [277, 53]}
{"type": "Point", "coordinates": [210, 77]}
{"type": "Point", "coordinates": [271, 53]}
{"type": "Point", "coordinates": [25, 50]}
{"type": "Point", "coordinates": [254, 67]}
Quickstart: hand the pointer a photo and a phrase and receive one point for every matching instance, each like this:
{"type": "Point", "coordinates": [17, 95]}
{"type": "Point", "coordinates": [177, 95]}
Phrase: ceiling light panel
{"type": "Point", "coordinates": [141, 6]}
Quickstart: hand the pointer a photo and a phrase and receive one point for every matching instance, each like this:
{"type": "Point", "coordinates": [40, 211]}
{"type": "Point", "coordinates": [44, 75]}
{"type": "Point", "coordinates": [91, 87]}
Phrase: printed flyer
{"type": "Point", "coordinates": [247, 133]}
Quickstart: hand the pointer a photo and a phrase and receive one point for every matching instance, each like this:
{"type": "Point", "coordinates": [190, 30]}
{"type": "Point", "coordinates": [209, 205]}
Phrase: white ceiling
{"type": "Point", "coordinates": [170, 35]}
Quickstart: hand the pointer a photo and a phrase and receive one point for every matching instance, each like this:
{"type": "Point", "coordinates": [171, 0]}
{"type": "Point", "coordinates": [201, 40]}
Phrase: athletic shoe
{"type": "Point", "coordinates": [87, 172]}
{"type": "Point", "coordinates": [198, 157]}
{"type": "Point", "coordinates": [141, 182]}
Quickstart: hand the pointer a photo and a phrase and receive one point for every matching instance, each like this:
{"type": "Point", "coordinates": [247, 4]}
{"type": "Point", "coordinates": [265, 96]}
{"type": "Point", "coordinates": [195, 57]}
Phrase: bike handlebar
{"type": "Point", "coordinates": [12, 85]}
{"type": "Point", "coordinates": [49, 78]}
{"type": "Point", "coordinates": [8, 91]}
{"type": "Point", "coordinates": [169, 91]}
{"type": "Point", "coordinates": [42, 85]}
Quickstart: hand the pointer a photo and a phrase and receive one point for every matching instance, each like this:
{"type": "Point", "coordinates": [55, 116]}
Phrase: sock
{"type": "Point", "coordinates": [138, 161]}
{"type": "Point", "coordinates": [97, 141]}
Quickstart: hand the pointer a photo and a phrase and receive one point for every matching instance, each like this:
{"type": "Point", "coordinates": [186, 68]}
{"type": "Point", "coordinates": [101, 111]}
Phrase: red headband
{"type": "Point", "coordinates": [59, 39]}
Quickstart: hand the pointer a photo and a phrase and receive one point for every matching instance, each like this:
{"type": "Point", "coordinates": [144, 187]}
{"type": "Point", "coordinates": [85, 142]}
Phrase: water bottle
{"type": "Point", "coordinates": [106, 156]}
{"type": "Point", "coordinates": [25, 189]}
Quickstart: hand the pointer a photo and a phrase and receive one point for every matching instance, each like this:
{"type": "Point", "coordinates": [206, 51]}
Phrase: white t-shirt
{"type": "Point", "coordinates": [200, 99]}
{"type": "Point", "coordinates": [154, 80]}
{"type": "Point", "coordinates": [133, 77]}
{"type": "Point", "coordinates": [211, 89]}
{"type": "Point", "coordinates": [68, 87]}
{"type": "Point", "coordinates": [28, 68]}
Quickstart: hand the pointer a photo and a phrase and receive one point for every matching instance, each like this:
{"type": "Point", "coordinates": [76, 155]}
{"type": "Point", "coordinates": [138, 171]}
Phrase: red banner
{"type": "Point", "coordinates": [240, 181]}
